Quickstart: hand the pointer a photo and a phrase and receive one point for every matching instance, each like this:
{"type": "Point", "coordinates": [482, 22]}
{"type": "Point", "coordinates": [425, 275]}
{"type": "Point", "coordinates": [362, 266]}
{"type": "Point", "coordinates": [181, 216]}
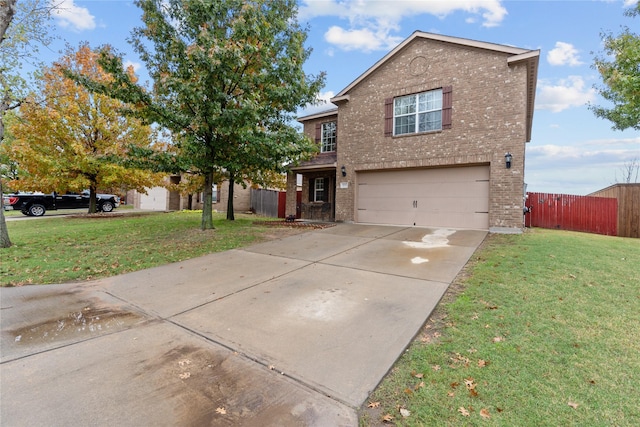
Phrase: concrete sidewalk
{"type": "Point", "coordinates": [292, 332]}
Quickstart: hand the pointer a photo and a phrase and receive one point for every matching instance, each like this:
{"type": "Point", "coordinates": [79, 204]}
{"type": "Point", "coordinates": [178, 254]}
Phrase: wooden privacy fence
{"type": "Point", "coordinates": [272, 203]}
{"type": "Point", "coordinates": [597, 215]}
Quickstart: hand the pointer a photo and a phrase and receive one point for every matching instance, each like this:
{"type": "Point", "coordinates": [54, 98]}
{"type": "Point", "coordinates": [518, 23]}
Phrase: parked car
{"type": "Point", "coordinates": [36, 204]}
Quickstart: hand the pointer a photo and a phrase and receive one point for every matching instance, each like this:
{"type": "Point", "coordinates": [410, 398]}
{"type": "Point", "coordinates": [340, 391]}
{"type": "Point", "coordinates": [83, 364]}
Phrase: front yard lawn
{"type": "Point", "coordinates": [542, 329]}
{"type": "Point", "coordinates": [83, 247]}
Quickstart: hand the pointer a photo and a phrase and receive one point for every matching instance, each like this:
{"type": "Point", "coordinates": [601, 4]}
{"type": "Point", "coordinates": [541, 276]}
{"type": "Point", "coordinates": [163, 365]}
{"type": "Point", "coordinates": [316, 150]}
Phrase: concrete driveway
{"type": "Point", "coordinates": [291, 332]}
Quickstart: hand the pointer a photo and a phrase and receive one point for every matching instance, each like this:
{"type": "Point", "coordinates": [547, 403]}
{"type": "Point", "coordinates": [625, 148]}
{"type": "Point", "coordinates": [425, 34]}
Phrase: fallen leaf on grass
{"type": "Point", "coordinates": [484, 413]}
{"type": "Point", "coordinates": [185, 375]}
{"type": "Point", "coordinates": [417, 374]}
{"type": "Point", "coordinates": [387, 418]}
{"type": "Point", "coordinates": [470, 383]}
{"type": "Point", "coordinates": [221, 411]}
{"type": "Point", "coordinates": [436, 367]}
{"type": "Point", "coordinates": [373, 405]}
{"type": "Point", "coordinates": [408, 391]}
{"type": "Point", "coordinates": [463, 411]}
{"type": "Point", "coordinates": [498, 339]}
{"type": "Point", "coordinates": [451, 394]}
{"type": "Point", "coordinates": [482, 363]}
{"type": "Point", "coordinates": [573, 405]}
{"type": "Point", "coordinates": [419, 386]}
{"type": "Point", "coordinates": [405, 412]}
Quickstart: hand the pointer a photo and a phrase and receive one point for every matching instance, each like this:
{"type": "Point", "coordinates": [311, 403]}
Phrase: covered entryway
{"type": "Point", "coordinates": [456, 197]}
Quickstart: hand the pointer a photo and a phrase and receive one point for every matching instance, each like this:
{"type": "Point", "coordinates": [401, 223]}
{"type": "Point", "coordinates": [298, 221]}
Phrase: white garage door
{"type": "Point", "coordinates": [155, 200]}
{"type": "Point", "coordinates": [444, 197]}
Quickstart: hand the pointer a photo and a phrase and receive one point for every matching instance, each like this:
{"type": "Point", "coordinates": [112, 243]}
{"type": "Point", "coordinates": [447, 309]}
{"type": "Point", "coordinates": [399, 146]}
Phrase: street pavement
{"type": "Point", "coordinates": [292, 332]}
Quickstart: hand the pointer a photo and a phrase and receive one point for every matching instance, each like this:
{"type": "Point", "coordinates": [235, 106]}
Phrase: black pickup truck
{"type": "Point", "coordinates": [36, 204]}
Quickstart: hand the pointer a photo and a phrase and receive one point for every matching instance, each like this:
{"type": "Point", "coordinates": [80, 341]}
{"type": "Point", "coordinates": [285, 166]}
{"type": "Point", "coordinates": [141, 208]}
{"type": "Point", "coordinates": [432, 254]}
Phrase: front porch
{"type": "Point", "coordinates": [318, 193]}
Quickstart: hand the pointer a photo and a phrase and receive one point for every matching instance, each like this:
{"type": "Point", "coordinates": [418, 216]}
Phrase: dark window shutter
{"type": "Point", "coordinates": [318, 132]}
{"type": "Point", "coordinates": [388, 117]}
{"type": "Point", "coordinates": [312, 189]}
{"type": "Point", "coordinates": [447, 106]}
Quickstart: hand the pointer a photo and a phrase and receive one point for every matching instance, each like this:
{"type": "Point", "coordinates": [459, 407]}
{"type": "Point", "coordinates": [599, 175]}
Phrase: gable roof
{"type": "Point", "coordinates": [518, 55]}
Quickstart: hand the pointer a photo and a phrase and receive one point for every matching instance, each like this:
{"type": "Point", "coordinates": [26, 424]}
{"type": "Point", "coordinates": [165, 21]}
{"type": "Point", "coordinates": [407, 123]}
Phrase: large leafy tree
{"type": "Point", "coordinates": [619, 68]}
{"type": "Point", "coordinates": [76, 139]}
{"type": "Point", "coordinates": [24, 27]}
{"type": "Point", "coordinates": [227, 79]}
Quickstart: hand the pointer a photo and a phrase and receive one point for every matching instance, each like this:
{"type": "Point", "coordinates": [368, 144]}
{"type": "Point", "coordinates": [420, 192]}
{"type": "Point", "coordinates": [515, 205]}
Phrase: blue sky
{"type": "Point", "coordinates": [571, 151]}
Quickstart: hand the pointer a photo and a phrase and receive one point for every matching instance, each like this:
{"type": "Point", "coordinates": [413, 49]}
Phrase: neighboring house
{"type": "Point", "coordinates": [162, 199]}
{"type": "Point", "coordinates": [420, 139]}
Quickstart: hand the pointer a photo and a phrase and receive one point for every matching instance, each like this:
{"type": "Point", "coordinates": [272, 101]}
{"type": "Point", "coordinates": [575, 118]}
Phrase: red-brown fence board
{"type": "Point", "coordinates": [597, 215]}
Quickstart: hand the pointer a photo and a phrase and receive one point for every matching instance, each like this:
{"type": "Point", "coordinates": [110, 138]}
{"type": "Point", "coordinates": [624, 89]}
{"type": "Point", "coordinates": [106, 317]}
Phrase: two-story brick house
{"type": "Point", "coordinates": [423, 138]}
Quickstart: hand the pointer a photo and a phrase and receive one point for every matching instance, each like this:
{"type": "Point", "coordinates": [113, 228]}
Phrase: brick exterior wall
{"type": "Point", "coordinates": [488, 120]}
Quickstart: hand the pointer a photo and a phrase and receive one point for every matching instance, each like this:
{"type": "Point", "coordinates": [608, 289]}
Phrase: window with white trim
{"type": "Point", "coordinates": [319, 190]}
{"type": "Point", "coordinates": [328, 137]}
{"type": "Point", "coordinates": [421, 112]}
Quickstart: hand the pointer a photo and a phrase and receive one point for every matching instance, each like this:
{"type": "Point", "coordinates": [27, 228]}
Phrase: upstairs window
{"type": "Point", "coordinates": [328, 137]}
{"type": "Point", "coordinates": [420, 112]}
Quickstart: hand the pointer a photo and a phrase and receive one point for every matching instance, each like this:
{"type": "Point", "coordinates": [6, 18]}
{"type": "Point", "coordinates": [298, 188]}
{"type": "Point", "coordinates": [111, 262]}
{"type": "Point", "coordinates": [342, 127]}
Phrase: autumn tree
{"type": "Point", "coordinates": [75, 139]}
{"type": "Point", "coordinates": [24, 27]}
{"type": "Point", "coordinates": [619, 68]}
{"type": "Point", "coordinates": [228, 77]}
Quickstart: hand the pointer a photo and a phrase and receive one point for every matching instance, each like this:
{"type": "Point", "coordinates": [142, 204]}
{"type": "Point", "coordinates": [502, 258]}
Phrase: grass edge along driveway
{"type": "Point", "coordinates": [540, 329]}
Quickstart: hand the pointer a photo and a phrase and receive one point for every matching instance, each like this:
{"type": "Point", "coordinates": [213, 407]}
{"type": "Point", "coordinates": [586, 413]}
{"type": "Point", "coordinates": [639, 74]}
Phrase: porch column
{"type": "Point", "coordinates": [292, 189]}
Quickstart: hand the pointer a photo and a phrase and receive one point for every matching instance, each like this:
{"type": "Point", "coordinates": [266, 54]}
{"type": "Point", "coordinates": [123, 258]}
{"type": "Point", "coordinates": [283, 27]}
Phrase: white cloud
{"type": "Point", "coordinates": [578, 169]}
{"type": "Point", "coordinates": [629, 3]}
{"type": "Point", "coordinates": [564, 54]}
{"type": "Point", "coordinates": [570, 92]}
{"type": "Point", "coordinates": [323, 103]}
{"type": "Point", "coordinates": [372, 22]}
{"type": "Point", "coordinates": [136, 65]}
{"type": "Point", "coordinates": [622, 142]}
{"type": "Point", "coordinates": [603, 152]}
{"type": "Point", "coordinates": [364, 39]}
{"type": "Point", "coordinates": [73, 17]}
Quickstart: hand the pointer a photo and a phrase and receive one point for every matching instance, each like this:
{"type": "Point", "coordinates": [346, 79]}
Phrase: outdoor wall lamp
{"type": "Point", "coordinates": [343, 170]}
{"type": "Point", "coordinates": [507, 159]}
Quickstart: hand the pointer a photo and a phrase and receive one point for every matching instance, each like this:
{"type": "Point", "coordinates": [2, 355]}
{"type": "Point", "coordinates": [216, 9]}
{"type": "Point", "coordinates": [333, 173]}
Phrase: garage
{"type": "Point", "coordinates": [155, 199]}
{"type": "Point", "coordinates": [456, 197]}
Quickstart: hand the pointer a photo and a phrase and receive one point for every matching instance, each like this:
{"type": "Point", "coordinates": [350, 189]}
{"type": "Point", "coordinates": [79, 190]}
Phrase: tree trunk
{"type": "Point", "coordinates": [230, 215]}
{"type": "Point", "coordinates": [92, 199]}
{"type": "Point", "coordinates": [207, 216]}
{"type": "Point", "coordinates": [5, 242]}
{"type": "Point", "coordinates": [7, 11]}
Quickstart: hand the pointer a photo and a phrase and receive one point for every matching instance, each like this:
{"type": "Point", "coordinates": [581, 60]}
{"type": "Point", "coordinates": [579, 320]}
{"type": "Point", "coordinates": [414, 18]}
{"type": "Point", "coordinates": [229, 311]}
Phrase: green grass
{"type": "Point", "coordinates": [65, 249]}
{"type": "Point", "coordinates": [546, 330]}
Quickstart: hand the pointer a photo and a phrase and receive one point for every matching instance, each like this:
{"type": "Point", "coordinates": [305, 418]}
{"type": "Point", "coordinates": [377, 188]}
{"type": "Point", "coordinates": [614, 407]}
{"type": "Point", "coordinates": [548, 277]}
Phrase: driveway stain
{"type": "Point", "coordinates": [75, 325]}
